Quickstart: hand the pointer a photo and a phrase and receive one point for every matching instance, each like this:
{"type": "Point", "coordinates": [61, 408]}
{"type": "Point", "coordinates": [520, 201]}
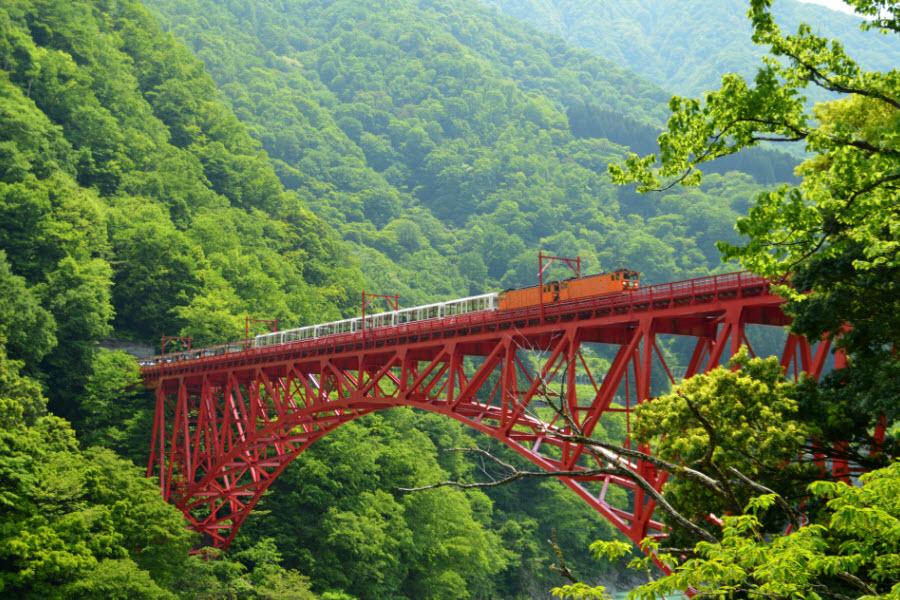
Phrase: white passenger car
{"type": "Point", "coordinates": [438, 310]}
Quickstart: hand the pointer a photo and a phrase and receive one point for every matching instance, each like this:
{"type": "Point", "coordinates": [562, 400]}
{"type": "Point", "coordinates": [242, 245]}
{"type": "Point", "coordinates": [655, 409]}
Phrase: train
{"type": "Point", "coordinates": [548, 293]}
{"type": "Point", "coordinates": [552, 292]}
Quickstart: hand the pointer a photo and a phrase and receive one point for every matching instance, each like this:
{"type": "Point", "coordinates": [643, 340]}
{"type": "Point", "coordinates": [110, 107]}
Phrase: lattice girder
{"type": "Point", "coordinates": [225, 428]}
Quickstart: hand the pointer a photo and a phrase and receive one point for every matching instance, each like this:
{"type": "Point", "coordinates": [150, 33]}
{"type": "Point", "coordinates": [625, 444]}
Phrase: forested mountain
{"type": "Point", "coordinates": [170, 167]}
{"type": "Point", "coordinates": [447, 144]}
{"type": "Point", "coordinates": [134, 201]}
{"type": "Point", "coordinates": [117, 147]}
{"type": "Point", "coordinates": [685, 46]}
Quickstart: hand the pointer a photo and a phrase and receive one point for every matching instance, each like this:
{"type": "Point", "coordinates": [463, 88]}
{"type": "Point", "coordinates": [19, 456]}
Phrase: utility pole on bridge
{"type": "Point", "coordinates": [392, 300]}
{"type": "Point", "coordinates": [573, 263]}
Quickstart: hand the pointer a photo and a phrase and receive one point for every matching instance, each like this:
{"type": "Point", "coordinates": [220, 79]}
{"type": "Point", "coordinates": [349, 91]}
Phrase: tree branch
{"type": "Point", "coordinates": [779, 499]}
{"type": "Point", "coordinates": [675, 181]}
{"type": "Point", "coordinates": [871, 187]}
{"type": "Point", "coordinates": [729, 494]}
{"type": "Point", "coordinates": [777, 139]}
{"type": "Point", "coordinates": [702, 157]}
{"type": "Point", "coordinates": [857, 582]}
{"type": "Point", "coordinates": [673, 468]}
{"type": "Point", "coordinates": [864, 145]}
{"type": "Point", "coordinates": [562, 568]}
{"type": "Point", "coordinates": [823, 81]}
{"type": "Point", "coordinates": [517, 474]}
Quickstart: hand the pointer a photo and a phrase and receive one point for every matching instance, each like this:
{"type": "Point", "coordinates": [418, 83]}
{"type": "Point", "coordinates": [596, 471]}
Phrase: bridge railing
{"type": "Point", "coordinates": [710, 286]}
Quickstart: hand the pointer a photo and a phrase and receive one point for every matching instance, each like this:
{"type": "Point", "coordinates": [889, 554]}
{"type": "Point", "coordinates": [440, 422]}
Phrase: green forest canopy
{"type": "Point", "coordinates": [273, 159]}
{"type": "Point", "coordinates": [681, 45]}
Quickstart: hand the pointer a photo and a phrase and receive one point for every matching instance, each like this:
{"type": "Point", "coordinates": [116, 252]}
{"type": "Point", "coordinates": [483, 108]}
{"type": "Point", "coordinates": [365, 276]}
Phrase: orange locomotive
{"type": "Point", "coordinates": [553, 292]}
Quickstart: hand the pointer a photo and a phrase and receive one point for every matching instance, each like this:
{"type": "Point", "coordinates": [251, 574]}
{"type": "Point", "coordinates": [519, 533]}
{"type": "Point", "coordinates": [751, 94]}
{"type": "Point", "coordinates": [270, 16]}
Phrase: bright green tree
{"type": "Point", "coordinates": [836, 234]}
{"type": "Point", "coordinates": [28, 329]}
{"type": "Point", "coordinates": [72, 523]}
{"type": "Point", "coordinates": [850, 551]}
{"type": "Point", "coordinates": [114, 406]}
{"type": "Point", "coordinates": [728, 424]}
{"type": "Point", "coordinates": [734, 443]}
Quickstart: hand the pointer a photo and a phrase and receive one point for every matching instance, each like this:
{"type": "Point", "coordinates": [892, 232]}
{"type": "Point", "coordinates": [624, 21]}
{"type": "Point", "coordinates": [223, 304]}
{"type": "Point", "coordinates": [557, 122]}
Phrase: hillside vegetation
{"type": "Point", "coordinates": [448, 144]}
{"type": "Point", "coordinates": [685, 46]}
{"type": "Point", "coordinates": [134, 201]}
{"type": "Point", "coordinates": [170, 167]}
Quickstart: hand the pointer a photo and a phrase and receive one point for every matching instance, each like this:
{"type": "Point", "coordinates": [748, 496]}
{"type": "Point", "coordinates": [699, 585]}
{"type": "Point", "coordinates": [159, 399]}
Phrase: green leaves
{"type": "Point", "coordinates": [21, 398]}
{"type": "Point", "coordinates": [610, 550]}
{"type": "Point", "coordinates": [841, 212]}
{"type": "Point", "coordinates": [27, 329]}
{"type": "Point", "coordinates": [580, 591]}
{"type": "Point", "coordinates": [744, 418]}
{"type": "Point", "coordinates": [738, 426]}
{"type": "Point", "coordinates": [76, 523]}
{"type": "Point", "coordinates": [851, 550]}
{"type": "Point", "coordinates": [835, 236]}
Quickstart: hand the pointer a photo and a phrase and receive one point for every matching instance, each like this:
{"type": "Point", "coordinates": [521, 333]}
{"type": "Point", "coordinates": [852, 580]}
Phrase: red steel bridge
{"type": "Point", "coordinates": [227, 425]}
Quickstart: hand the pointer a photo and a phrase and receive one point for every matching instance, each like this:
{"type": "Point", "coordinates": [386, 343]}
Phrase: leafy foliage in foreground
{"type": "Point", "coordinates": [849, 551]}
{"type": "Point", "coordinates": [746, 478]}
{"type": "Point", "coordinates": [746, 419]}
{"type": "Point", "coordinates": [836, 234]}
{"type": "Point", "coordinates": [87, 524]}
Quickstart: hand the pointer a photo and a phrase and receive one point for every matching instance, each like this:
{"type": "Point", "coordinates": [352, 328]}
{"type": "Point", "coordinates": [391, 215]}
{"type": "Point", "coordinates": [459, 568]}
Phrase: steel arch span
{"type": "Point", "coordinates": [226, 426]}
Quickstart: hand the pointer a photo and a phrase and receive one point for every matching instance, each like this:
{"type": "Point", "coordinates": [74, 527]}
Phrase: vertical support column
{"type": "Point", "coordinates": [184, 400]}
{"type": "Point", "coordinates": [821, 355]}
{"type": "Point", "coordinates": [158, 440]}
{"type": "Point", "coordinates": [452, 375]}
{"type": "Point", "coordinates": [571, 368]}
{"type": "Point", "coordinates": [199, 435]}
{"type": "Point", "coordinates": [173, 445]}
{"type": "Point", "coordinates": [511, 397]}
{"type": "Point", "coordinates": [569, 404]}
{"type": "Point", "coordinates": [643, 506]}
{"type": "Point", "coordinates": [648, 339]}
{"type": "Point", "coordinates": [840, 467]}
{"type": "Point", "coordinates": [207, 428]}
{"type": "Point", "coordinates": [700, 349]}
{"type": "Point", "coordinates": [733, 328]}
{"type": "Point", "coordinates": [407, 374]}
{"type": "Point", "coordinates": [253, 401]}
{"type": "Point", "coordinates": [880, 432]}
{"type": "Point", "coordinates": [735, 315]}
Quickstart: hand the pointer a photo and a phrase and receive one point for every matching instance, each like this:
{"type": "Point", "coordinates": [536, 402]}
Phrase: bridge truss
{"type": "Point", "coordinates": [226, 426]}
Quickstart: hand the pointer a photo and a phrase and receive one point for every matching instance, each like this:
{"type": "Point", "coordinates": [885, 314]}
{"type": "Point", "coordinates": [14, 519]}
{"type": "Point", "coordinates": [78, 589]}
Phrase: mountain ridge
{"type": "Point", "coordinates": [463, 119]}
{"type": "Point", "coordinates": [685, 46]}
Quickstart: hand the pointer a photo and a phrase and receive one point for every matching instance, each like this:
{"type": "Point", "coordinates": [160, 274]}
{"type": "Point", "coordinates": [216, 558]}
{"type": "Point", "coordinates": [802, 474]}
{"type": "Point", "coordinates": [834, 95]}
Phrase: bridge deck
{"type": "Point", "coordinates": [626, 307]}
{"type": "Point", "coordinates": [230, 418]}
